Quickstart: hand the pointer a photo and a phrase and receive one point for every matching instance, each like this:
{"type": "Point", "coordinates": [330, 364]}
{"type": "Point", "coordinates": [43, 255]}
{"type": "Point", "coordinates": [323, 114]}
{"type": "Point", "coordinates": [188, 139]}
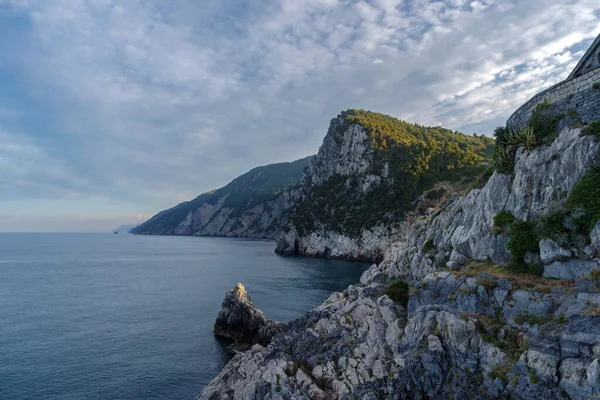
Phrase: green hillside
{"type": "Point", "coordinates": [246, 191]}
{"type": "Point", "coordinates": [417, 157]}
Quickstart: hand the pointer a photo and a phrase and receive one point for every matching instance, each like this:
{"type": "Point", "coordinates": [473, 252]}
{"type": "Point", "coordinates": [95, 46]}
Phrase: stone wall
{"type": "Point", "coordinates": [581, 94]}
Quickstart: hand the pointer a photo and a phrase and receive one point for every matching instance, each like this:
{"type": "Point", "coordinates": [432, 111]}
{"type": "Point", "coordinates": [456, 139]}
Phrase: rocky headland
{"type": "Point", "coordinates": [488, 288]}
{"type": "Point", "coordinates": [446, 320]}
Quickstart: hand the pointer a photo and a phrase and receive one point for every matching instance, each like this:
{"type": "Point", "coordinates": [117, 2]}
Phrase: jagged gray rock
{"type": "Point", "coordinates": [461, 336]}
{"type": "Point", "coordinates": [571, 269]}
{"type": "Point", "coordinates": [240, 321]}
{"type": "Point", "coordinates": [550, 251]}
{"type": "Point", "coordinates": [463, 227]}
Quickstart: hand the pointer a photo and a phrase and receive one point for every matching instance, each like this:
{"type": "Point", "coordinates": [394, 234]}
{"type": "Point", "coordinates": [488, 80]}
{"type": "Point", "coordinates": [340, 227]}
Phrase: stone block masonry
{"type": "Point", "coordinates": [581, 95]}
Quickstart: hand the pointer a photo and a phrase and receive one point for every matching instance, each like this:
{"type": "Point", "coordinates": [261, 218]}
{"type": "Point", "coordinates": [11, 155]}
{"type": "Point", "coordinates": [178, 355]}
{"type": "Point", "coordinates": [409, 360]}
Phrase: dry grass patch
{"type": "Point", "coordinates": [519, 281]}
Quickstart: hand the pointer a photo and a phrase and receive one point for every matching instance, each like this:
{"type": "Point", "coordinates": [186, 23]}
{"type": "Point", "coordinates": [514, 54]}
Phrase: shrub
{"type": "Point", "coordinates": [504, 159]}
{"type": "Point", "coordinates": [501, 133]}
{"type": "Point", "coordinates": [435, 194]}
{"type": "Point", "coordinates": [519, 267]}
{"type": "Point", "coordinates": [428, 245]}
{"type": "Point", "coordinates": [596, 85]}
{"type": "Point", "coordinates": [552, 225]}
{"type": "Point", "coordinates": [524, 137]}
{"type": "Point", "coordinates": [592, 129]}
{"type": "Point", "coordinates": [532, 319]}
{"type": "Point", "coordinates": [595, 275]}
{"type": "Point", "coordinates": [544, 123]}
{"type": "Point", "coordinates": [322, 383]}
{"type": "Point", "coordinates": [523, 238]}
{"type": "Point", "coordinates": [503, 219]}
{"type": "Point", "coordinates": [500, 371]}
{"type": "Point", "coordinates": [586, 196]}
{"type": "Point", "coordinates": [398, 291]}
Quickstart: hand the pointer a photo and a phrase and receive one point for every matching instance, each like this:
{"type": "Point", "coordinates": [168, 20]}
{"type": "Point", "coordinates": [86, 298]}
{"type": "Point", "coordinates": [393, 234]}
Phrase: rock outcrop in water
{"type": "Point", "coordinates": [464, 327]}
{"type": "Point", "coordinates": [240, 321]}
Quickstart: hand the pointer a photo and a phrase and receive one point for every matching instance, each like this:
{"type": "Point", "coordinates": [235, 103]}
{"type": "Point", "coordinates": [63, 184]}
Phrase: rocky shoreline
{"type": "Point", "coordinates": [462, 327]}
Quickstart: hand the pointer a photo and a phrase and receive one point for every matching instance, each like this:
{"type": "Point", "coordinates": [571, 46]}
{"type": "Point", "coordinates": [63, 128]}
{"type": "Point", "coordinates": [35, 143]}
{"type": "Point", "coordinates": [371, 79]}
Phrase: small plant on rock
{"type": "Point", "coordinates": [428, 245]}
{"type": "Point", "coordinates": [504, 158]}
{"type": "Point", "coordinates": [399, 292]}
{"type": "Point", "coordinates": [544, 123]}
{"type": "Point", "coordinates": [586, 197]}
{"type": "Point", "coordinates": [503, 219]}
{"type": "Point", "coordinates": [592, 129]}
{"type": "Point", "coordinates": [525, 137]}
{"type": "Point", "coordinates": [523, 238]}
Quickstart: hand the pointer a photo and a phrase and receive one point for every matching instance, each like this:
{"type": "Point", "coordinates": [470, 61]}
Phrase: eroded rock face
{"type": "Point", "coordinates": [369, 246]}
{"type": "Point", "coordinates": [463, 228]}
{"type": "Point", "coordinates": [240, 321]}
{"type": "Point", "coordinates": [459, 336]}
{"type": "Point", "coordinates": [550, 251]}
{"type": "Point", "coordinates": [463, 337]}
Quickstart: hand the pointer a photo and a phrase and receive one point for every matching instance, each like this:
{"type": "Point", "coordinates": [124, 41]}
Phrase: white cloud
{"type": "Point", "coordinates": [163, 100]}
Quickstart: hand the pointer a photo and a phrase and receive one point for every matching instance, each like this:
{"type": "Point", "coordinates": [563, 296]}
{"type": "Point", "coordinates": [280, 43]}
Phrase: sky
{"type": "Point", "coordinates": [112, 110]}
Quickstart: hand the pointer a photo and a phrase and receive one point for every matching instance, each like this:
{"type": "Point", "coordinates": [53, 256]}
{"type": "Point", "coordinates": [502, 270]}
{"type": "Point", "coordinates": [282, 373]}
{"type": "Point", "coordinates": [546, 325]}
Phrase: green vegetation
{"type": "Point", "coordinates": [435, 194]}
{"type": "Point", "coordinates": [503, 219]}
{"type": "Point", "coordinates": [254, 187]}
{"type": "Point", "coordinates": [399, 292]}
{"type": "Point", "coordinates": [542, 129]}
{"type": "Point", "coordinates": [428, 245]}
{"type": "Point", "coordinates": [567, 225]}
{"type": "Point", "coordinates": [533, 377]}
{"type": "Point", "coordinates": [532, 319]}
{"type": "Point", "coordinates": [585, 198]}
{"type": "Point", "coordinates": [592, 129]}
{"type": "Point", "coordinates": [523, 238]}
{"type": "Point", "coordinates": [524, 137]}
{"type": "Point", "coordinates": [504, 158]}
{"type": "Point", "coordinates": [415, 157]}
{"type": "Point", "coordinates": [322, 383]}
{"type": "Point", "coordinates": [500, 371]}
{"type": "Point", "coordinates": [543, 123]}
{"type": "Point", "coordinates": [490, 327]}
{"type": "Point", "coordinates": [552, 225]}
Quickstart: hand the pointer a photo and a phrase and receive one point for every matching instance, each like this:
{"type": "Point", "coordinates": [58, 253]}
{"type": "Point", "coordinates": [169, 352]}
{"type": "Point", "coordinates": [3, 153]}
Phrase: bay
{"type": "Point", "coordinates": [102, 316]}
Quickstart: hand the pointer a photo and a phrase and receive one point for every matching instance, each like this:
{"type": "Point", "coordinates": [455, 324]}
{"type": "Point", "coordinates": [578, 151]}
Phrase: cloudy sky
{"type": "Point", "coordinates": [111, 110]}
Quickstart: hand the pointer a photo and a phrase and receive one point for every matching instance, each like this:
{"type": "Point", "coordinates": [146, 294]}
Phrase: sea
{"type": "Point", "coordinates": [105, 316]}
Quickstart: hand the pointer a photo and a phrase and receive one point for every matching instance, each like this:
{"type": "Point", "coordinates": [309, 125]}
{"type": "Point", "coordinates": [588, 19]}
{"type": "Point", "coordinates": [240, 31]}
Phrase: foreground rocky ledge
{"type": "Point", "coordinates": [465, 328]}
{"type": "Point", "coordinates": [458, 336]}
{"type": "Point", "coordinates": [240, 321]}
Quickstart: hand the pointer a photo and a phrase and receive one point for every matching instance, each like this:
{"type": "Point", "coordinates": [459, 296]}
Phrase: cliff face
{"type": "Point", "coordinates": [253, 205]}
{"type": "Point", "coordinates": [369, 178]}
{"type": "Point", "coordinates": [464, 327]}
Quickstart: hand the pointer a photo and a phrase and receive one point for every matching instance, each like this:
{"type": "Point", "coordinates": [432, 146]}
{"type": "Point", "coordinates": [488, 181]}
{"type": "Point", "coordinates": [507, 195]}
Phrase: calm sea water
{"type": "Point", "coordinates": [102, 316]}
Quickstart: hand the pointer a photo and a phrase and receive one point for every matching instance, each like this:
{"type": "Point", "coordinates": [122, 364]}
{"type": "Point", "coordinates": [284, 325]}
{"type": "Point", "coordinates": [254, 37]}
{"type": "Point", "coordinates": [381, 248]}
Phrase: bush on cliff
{"type": "Point", "coordinates": [592, 129]}
{"type": "Point", "coordinates": [523, 239]}
{"type": "Point", "coordinates": [399, 292]}
{"type": "Point", "coordinates": [503, 219]}
{"type": "Point", "coordinates": [504, 159]}
{"type": "Point", "coordinates": [543, 122]}
{"type": "Point", "coordinates": [585, 197]}
{"type": "Point", "coordinates": [541, 129]}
